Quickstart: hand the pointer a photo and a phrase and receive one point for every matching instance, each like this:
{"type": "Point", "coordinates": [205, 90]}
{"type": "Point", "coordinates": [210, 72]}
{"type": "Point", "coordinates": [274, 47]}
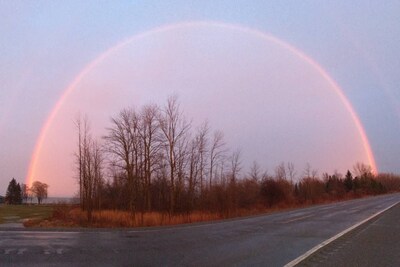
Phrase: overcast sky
{"type": "Point", "coordinates": [45, 45]}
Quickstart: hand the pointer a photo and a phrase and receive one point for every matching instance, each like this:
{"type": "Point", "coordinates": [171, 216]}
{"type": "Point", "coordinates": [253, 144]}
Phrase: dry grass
{"type": "Point", "coordinates": [112, 218]}
{"type": "Point", "coordinates": [70, 216]}
{"type": "Point", "coordinates": [73, 216]}
{"type": "Point", "coordinates": [116, 219]}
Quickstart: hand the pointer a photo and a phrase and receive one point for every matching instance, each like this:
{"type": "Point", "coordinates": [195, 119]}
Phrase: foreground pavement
{"type": "Point", "coordinates": [375, 243]}
{"type": "Point", "coordinates": [268, 240]}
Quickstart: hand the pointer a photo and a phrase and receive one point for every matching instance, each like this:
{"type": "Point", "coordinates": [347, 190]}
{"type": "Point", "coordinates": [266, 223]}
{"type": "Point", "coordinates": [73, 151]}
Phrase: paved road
{"type": "Point", "coordinates": [269, 240]}
{"type": "Point", "coordinates": [376, 243]}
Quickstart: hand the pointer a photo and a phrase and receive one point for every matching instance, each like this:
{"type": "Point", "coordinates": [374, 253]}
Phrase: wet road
{"type": "Point", "coordinates": [272, 240]}
{"type": "Point", "coordinates": [376, 243]}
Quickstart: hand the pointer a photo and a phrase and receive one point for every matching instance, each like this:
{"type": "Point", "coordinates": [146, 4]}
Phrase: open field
{"type": "Point", "coordinates": [18, 213]}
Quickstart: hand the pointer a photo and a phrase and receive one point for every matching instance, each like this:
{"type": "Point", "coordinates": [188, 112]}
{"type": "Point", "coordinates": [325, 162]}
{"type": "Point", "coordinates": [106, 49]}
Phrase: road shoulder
{"type": "Point", "coordinates": [375, 242]}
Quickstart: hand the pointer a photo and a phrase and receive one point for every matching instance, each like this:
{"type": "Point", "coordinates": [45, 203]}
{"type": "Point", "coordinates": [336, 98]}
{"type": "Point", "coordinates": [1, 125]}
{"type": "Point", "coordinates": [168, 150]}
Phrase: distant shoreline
{"type": "Point", "coordinates": [54, 200]}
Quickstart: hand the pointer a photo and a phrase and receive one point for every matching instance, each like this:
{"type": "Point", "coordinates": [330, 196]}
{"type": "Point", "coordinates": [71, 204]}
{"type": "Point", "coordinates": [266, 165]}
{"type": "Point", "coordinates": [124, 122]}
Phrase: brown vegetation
{"type": "Point", "coordinates": [153, 169]}
{"type": "Point", "coordinates": [252, 196]}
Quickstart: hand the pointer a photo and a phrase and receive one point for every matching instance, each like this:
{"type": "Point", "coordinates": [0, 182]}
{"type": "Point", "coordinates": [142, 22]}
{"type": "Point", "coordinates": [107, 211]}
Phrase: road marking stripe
{"type": "Point", "coordinates": [297, 219]}
{"type": "Point", "coordinates": [7, 251]}
{"type": "Point", "coordinates": [21, 251]}
{"type": "Point", "coordinates": [49, 232]}
{"type": "Point", "coordinates": [326, 242]}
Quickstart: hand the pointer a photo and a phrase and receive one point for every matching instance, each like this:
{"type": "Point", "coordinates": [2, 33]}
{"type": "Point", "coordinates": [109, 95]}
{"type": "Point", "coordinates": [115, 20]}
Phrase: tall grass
{"type": "Point", "coordinates": [116, 218]}
{"type": "Point", "coordinates": [72, 216]}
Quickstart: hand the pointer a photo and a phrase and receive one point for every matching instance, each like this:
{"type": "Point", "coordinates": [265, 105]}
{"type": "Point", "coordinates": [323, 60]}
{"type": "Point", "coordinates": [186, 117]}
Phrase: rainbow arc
{"type": "Point", "coordinates": [43, 133]}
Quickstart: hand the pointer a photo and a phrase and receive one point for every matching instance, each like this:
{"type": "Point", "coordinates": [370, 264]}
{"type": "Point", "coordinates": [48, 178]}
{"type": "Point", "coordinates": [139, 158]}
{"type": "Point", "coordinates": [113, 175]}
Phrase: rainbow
{"type": "Point", "coordinates": [42, 136]}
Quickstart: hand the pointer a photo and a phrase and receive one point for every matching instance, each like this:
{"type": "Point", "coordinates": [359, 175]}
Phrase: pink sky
{"type": "Point", "coordinates": [269, 101]}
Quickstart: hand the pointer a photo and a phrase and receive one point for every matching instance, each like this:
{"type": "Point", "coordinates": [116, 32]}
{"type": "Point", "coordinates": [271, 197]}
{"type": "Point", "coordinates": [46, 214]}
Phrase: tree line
{"type": "Point", "coordinates": [154, 159]}
{"type": "Point", "coordinates": [20, 193]}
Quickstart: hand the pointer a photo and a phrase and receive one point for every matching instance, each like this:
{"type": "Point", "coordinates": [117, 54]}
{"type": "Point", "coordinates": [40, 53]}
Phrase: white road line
{"type": "Point", "coordinates": [7, 251]}
{"type": "Point", "coordinates": [297, 219]}
{"type": "Point", "coordinates": [21, 251]}
{"type": "Point", "coordinates": [50, 232]}
{"type": "Point", "coordinates": [326, 242]}
{"type": "Point", "coordinates": [179, 227]}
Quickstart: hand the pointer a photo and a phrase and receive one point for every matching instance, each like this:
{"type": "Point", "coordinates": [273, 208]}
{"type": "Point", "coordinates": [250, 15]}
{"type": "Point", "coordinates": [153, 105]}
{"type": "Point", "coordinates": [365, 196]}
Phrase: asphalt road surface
{"type": "Point", "coordinates": [268, 240]}
{"type": "Point", "coordinates": [375, 243]}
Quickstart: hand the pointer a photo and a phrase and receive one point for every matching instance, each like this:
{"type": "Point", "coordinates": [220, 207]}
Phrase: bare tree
{"type": "Point", "coordinates": [202, 145]}
{"type": "Point", "coordinates": [156, 163]}
{"type": "Point", "coordinates": [122, 145]}
{"type": "Point", "coordinates": [92, 174]}
{"type": "Point", "coordinates": [197, 161]}
{"type": "Point", "coordinates": [235, 168]}
{"type": "Point", "coordinates": [280, 172]}
{"type": "Point", "coordinates": [291, 171]}
{"type": "Point", "coordinates": [24, 192]}
{"type": "Point", "coordinates": [182, 161]}
{"type": "Point", "coordinates": [97, 156]}
{"type": "Point", "coordinates": [89, 159]}
{"type": "Point", "coordinates": [174, 128]}
{"type": "Point", "coordinates": [217, 150]}
{"type": "Point", "coordinates": [235, 165]}
{"type": "Point", "coordinates": [362, 170]}
{"type": "Point", "coordinates": [309, 172]}
{"type": "Point", "coordinates": [39, 189]}
{"type": "Point", "coordinates": [82, 126]}
{"type": "Point", "coordinates": [194, 169]}
{"type": "Point", "coordinates": [149, 132]}
{"type": "Point", "coordinates": [255, 171]}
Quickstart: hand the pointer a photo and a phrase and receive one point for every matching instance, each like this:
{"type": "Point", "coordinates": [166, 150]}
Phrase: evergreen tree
{"type": "Point", "coordinates": [348, 181]}
{"type": "Point", "coordinates": [13, 195]}
{"type": "Point", "coordinates": [18, 194]}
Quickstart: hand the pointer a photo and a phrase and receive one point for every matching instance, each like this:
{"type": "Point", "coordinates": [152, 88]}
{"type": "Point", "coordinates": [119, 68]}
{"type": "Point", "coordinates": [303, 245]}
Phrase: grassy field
{"type": "Point", "coordinates": [17, 213]}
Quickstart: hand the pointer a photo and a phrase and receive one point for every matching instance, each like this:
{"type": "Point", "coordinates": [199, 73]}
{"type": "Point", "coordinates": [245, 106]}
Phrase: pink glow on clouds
{"type": "Point", "coordinates": [244, 82]}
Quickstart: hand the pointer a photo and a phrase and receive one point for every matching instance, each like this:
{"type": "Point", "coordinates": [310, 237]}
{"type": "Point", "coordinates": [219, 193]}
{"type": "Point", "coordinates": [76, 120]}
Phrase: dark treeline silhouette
{"type": "Point", "coordinates": [153, 159]}
{"type": "Point", "coordinates": [14, 193]}
{"type": "Point", "coordinates": [20, 193]}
